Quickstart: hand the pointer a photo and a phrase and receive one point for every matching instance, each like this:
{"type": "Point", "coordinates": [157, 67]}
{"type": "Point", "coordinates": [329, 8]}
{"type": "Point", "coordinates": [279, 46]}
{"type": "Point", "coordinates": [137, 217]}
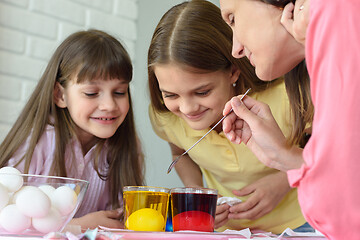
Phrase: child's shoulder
{"type": "Point", "coordinates": [48, 137]}
{"type": "Point", "coordinates": [43, 148]}
{"type": "Point", "coordinates": [275, 92]}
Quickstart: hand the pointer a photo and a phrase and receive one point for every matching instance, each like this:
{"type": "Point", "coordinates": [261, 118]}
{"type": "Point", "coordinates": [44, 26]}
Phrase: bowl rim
{"type": "Point", "coordinates": [45, 176]}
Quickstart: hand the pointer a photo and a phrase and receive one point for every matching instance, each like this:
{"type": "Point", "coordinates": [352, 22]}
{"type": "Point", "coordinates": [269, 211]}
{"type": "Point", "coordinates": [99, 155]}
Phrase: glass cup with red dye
{"type": "Point", "coordinates": [193, 209]}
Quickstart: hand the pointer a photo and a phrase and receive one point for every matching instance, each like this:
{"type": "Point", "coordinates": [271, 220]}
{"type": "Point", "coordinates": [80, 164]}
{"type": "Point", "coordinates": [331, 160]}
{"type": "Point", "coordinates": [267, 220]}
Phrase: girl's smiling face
{"type": "Point", "coordinates": [259, 35]}
{"type": "Point", "coordinates": [97, 107]}
{"type": "Point", "coordinates": [193, 95]}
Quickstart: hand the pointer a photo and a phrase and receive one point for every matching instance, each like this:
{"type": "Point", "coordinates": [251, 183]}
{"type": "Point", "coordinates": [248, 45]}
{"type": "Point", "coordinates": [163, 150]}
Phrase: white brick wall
{"type": "Point", "coordinates": [30, 30]}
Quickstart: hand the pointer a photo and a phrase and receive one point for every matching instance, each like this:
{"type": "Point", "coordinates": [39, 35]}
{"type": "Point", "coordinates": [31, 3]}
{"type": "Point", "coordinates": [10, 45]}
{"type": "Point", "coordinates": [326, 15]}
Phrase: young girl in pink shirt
{"type": "Point", "coordinates": [79, 123]}
{"type": "Point", "coordinates": [272, 34]}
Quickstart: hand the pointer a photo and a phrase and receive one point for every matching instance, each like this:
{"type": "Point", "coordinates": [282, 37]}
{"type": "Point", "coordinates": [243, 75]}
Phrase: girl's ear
{"type": "Point", "coordinates": [235, 73]}
{"type": "Point", "coordinates": [59, 96]}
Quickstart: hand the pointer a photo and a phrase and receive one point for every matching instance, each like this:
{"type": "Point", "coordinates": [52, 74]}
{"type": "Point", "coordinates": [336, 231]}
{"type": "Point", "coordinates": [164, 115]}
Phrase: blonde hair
{"type": "Point", "coordinates": [91, 54]}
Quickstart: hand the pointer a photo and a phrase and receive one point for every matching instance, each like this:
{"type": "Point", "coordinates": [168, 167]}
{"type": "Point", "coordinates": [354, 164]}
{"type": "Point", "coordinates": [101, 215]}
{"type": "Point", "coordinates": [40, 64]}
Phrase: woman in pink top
{"type": "Point", "coordinates": [327, 171]}
{"type": "Point", "coordinates": [79, 123]}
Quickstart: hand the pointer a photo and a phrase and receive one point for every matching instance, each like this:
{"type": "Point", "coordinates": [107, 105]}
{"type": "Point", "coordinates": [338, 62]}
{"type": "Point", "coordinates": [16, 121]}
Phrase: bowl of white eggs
{"type": "Point", "coordinates": [36, 205]}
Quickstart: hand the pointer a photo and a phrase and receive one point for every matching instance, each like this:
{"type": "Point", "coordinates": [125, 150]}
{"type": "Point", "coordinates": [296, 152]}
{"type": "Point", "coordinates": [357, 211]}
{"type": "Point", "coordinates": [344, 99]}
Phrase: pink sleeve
{"type": "Point", "coordinates": [42, 157]}
{"type": "Point", "coordinates": [295, 175]}
{"type": "Point", "coordinates": [331, 173]}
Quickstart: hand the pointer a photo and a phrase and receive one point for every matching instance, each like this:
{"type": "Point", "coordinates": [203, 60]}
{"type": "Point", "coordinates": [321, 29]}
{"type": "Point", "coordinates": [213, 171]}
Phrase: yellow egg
{"type": "Point", "coordinates": [145, 219]}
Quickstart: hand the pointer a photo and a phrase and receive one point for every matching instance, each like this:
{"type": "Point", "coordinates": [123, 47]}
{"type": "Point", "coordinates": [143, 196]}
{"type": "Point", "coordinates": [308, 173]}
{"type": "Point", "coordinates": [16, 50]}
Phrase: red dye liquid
{"type": "Point", "coordinates": [193, 220]}
{"type": "Point", "coordinates": [193, 211]}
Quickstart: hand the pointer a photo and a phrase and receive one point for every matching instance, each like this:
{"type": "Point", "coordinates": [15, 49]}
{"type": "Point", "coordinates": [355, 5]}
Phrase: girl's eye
{"type": "Point", "coordinates": [168, 95]}
{"type": "Point", "coordinates": [120, 93]}
{"type": "Point", "coordinates": [90, 94]}
{"type": "Point", "coordinates": [204, 93]}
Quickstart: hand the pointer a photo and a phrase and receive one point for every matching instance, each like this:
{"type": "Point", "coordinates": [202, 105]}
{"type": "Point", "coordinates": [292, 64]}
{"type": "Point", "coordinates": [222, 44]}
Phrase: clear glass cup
{"type": "Point", "coordinates": [193, 209]}
{"type": "Point", "coordinates": [145, 208]}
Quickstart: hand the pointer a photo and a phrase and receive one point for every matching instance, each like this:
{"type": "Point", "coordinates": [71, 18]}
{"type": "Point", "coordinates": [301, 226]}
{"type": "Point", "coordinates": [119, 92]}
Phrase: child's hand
{"type": "Point", "coordinates": [221, 215]}
{"type": "Point", "coordinates": [110, 219]}
{"type": "Point", "coordinates": [295, 19]}
{"type": "Point", "coordinates": [264, 195]}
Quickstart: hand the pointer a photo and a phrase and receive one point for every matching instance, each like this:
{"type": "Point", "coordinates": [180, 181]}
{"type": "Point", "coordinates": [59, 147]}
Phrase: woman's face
{"type": "Point", "coordinates": [259, 35]}
{"type": "Point", "coordinates": [197, 97]}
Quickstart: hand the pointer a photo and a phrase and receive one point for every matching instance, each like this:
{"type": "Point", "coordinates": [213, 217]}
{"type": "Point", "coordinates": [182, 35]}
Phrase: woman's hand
{"type": "Point", "coordinates": [295, 19]}
{"type": "Point", "coordinates": [109, 218]}
{"type": "Point", "coordinates": [264, 195]}
{"type": "Point", "coordinates": [252, 123]}
{"type": "Point", "coordinates": [221, 215]}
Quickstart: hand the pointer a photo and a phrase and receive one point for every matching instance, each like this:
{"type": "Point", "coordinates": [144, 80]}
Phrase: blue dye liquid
{"type": "Point", "coordinates": [169, 226]}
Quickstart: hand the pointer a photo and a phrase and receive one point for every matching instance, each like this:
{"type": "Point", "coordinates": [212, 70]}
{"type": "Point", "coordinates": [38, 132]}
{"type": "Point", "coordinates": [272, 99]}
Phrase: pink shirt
{"type": "Point", "coordinates": [328, 182]}
{"type": "Point", "coordinates": [78, 166]}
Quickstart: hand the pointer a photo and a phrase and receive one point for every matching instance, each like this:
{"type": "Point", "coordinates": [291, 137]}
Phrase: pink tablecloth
{"type": "Point", "coordinates": [197, 236]}
{"type": "Point", "coordinates": [130, 235]}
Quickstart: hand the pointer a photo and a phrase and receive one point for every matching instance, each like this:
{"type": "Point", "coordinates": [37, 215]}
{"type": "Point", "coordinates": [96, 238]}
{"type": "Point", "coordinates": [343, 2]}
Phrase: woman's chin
{"type": "Point", "coordinates": [267, 75]}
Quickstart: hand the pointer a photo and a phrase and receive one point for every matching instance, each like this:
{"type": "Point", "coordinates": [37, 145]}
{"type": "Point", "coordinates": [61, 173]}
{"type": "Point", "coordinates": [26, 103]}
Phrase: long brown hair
{"type": "Point", "coordinates": [91, 55]}
{"type": "Point", "coordinates": [297, 84]}
{"type": "Point", "coordinates": [193, 34]}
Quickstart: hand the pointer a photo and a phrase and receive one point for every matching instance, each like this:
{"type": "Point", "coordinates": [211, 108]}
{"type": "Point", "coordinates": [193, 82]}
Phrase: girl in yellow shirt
{"type": "Point", "coordinates": [192, 74]}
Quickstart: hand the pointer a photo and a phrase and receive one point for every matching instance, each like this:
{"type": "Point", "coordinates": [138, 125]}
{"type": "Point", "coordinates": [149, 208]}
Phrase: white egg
{"type": "Point", "coordinates": [50, 223]}
{"type": "Point", "coordinates": [12, 220]}
{"type": "Point", "coordinates": [64, 199]}
{"type": "Point", "coordinates": [47, 189]}
{"type": "Point", "coordinates": [4, 196]}
{"type": "Point", "coordinates": [15, 194]}
{"type": "Point", "coordinates": [33, 202]}
{"type": "Point", "coordinates": [12, 181]}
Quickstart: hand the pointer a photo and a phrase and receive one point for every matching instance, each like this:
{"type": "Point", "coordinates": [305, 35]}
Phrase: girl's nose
{"type": "Point", "coordinates": [237, 49]}
{"type": "Point", "coordinates": [107, 103]}
{"type": "Point", "coordinates": [188, 107]}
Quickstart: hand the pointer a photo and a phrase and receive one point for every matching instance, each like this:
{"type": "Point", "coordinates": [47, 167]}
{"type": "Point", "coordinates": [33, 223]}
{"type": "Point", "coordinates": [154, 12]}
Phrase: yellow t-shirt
{"type": "Point", "coordinates": [227, 166]}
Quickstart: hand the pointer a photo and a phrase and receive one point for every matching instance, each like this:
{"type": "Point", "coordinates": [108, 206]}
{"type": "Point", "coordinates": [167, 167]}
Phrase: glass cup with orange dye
{"type": "Point", "coordinates": [145, 208]}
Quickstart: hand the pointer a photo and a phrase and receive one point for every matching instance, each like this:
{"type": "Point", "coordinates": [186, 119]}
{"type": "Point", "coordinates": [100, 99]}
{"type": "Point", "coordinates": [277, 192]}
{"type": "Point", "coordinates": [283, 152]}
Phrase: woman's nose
{"type": "Point", "coordinates": [237, 49]}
